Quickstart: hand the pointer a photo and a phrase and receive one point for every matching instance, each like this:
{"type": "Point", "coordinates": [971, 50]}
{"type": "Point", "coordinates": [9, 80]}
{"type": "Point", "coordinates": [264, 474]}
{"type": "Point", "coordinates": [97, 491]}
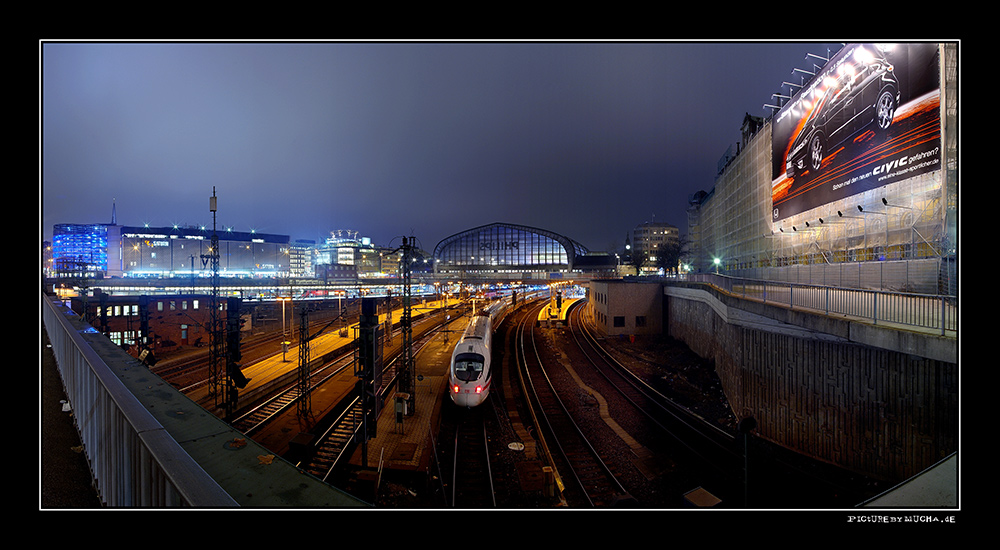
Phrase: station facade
{"type": "Point", "coordinates": [504, 250]}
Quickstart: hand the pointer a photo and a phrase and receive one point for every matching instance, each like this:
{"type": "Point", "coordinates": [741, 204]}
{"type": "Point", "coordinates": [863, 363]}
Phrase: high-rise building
{"type": "Point", "coordinates": [651, 242]}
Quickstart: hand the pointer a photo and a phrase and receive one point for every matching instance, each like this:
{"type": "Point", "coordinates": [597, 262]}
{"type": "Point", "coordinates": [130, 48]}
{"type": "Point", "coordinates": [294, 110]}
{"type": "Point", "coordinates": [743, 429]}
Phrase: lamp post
{"type": "Point", "coordinates": [284, 332]}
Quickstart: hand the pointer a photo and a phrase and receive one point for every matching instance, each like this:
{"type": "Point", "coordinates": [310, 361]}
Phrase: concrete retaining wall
{"type": "Point", "coordinates": [881, 402]}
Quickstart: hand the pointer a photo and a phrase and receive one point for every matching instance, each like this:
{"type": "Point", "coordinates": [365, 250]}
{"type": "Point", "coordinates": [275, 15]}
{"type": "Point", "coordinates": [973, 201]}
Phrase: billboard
{"type": "Point", "coordinates": [868, 118]}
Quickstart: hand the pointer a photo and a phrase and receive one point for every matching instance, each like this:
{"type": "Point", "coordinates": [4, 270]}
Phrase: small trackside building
{"type": "Point", "coordinates": [627, 308]}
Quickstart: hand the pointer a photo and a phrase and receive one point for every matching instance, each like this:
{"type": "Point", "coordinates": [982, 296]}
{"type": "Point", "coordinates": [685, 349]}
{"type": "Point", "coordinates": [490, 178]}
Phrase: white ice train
{"type": "Point", "coordinates": [471, 372]}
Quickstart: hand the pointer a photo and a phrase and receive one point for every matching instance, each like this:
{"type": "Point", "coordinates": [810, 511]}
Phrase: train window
{"type": "Point", "coordinates": [468, 366]}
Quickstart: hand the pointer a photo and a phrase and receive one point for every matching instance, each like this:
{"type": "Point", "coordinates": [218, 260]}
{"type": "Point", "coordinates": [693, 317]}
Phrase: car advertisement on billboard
{"type": "Point", "coordinates": [868, 118]}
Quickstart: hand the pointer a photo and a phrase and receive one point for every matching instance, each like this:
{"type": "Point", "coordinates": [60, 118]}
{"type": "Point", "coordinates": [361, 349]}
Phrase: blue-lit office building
{"type": "Point", "coordinates": [80, 250]}
{"type": "Point", "coordinates": [109, 250]}
{"type": "Point", "coordinates": [503, 249]}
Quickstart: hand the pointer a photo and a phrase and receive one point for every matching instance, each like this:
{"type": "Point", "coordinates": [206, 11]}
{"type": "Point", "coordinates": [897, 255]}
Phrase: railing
{"type": "Point", "coordinates": [926, 311]}
{"type": "Point", "coordinates": [132, 458]}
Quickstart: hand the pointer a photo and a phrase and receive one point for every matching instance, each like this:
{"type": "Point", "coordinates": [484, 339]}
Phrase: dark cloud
{"type": "Point", "coordinates": [391, 139]}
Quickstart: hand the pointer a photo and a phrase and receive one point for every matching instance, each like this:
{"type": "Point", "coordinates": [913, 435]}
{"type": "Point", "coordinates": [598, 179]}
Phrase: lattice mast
{"type": "Point", "coordinates": [407, 375]}
{"type": "Point", "coordinates": [305, 398]}
{"type": "Point", "coordinates": [217, 340]}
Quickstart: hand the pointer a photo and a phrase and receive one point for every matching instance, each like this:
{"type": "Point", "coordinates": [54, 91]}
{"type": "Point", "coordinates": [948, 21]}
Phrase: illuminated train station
{"type": "Point", "coordinates": [515, 251]}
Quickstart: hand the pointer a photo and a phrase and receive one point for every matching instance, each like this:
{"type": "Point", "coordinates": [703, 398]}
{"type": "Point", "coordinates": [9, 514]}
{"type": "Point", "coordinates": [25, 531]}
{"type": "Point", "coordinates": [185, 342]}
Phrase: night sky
{"type": "Point", "coordinates": [396, 139]}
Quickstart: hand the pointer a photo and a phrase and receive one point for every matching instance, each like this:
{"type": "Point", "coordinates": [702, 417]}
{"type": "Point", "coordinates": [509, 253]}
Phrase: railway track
{"type": "Point", "coordinates": [342, 432]}
{"type": "Point", "coordinates": [475, 461]}
{"type": "Point", "coordinates": [345, 430]}
{"type": "Point", "coordinates": [192, 372]}
{"type": "Point", "coordinates": [657, 451]}
{"type": "Point", "coordinates": [592, 482]}
{"type": "Point", "coordinates": [256, 418]}
{"type": "Point", "coordinates": [703, 443]}
{"type": "Point", "coordinates": [739, 468]}
{"type": "Point", "coordinates": [471, 474]}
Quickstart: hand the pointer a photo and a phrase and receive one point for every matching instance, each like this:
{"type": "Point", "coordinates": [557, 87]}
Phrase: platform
{"type": "Point", "coordinates": [403, 439]}
{"type": "Point", "coordinates": [281, 368]}
{"type": "Point", "coordinates": [552, 316]}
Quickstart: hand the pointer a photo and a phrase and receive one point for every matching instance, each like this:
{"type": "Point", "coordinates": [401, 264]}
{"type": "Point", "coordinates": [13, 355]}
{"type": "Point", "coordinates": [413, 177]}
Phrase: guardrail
{"type": "Point", "coordinates": [925, 311]}
{"type": "Point", "coordinates": [134, 461]}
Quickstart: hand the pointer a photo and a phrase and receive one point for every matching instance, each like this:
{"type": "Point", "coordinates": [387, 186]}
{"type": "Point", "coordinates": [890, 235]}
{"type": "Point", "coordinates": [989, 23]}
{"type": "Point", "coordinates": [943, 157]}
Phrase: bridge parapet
{"type": "Point", "coordinates": [149, 445]}
{"type": "Point", "coordinates": [925, 325]}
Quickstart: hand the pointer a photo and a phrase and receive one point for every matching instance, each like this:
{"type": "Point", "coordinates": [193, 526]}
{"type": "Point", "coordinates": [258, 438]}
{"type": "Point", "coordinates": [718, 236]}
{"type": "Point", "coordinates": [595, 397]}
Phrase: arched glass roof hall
{"type": "Point", "coordinates": [505, 247]}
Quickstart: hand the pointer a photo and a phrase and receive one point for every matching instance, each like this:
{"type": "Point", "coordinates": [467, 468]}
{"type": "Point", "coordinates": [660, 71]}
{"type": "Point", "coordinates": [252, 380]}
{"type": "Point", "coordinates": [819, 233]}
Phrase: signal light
{"type": "Point", "coordinates": [236, 375]}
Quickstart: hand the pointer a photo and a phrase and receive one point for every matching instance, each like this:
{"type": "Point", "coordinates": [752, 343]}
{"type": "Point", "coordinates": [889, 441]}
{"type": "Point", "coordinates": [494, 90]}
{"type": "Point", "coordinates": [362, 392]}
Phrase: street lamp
{"type": "Point", "coordinates": [284, 335]}
{"type": "Point", "coordinates": [716, 261]}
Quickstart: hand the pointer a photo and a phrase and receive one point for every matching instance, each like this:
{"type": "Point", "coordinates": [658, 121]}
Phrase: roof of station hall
{"type": "Point", "coordinates": [572, 247]}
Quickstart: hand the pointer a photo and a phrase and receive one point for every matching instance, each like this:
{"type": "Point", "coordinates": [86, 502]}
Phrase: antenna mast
{"type": "Point", "coordinates": [216, 335]}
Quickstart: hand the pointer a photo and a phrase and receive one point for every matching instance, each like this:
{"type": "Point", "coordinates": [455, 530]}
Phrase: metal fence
{"type": "Point", "coordinates": [134, 461]}
{"type": "Point", "coordinates": [925, 311]}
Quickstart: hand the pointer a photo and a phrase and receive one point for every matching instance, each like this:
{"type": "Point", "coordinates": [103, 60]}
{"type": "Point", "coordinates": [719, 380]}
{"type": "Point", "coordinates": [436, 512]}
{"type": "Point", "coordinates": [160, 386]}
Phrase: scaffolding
{"type": "Point", "coordinates": [900, 236]}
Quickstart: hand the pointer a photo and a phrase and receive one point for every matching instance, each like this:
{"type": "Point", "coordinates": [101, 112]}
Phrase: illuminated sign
{"type": "Point", "coordinates": [870, 117]}
{"type": "Point", "coordinates": [499, 245]}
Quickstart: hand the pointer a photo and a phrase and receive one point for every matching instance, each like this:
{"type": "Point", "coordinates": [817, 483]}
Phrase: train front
{"type": "Point", "coordinates": [469, 376]}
